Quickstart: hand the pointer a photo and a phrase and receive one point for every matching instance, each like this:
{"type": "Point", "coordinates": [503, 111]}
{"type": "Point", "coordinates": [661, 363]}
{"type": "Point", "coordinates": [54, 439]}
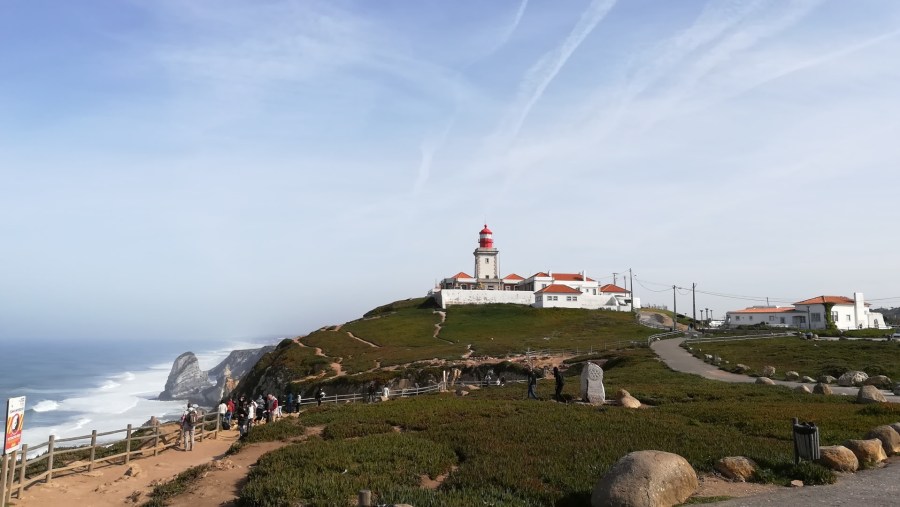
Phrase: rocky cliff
{"type": "Point", "coordinates": [188, 382]}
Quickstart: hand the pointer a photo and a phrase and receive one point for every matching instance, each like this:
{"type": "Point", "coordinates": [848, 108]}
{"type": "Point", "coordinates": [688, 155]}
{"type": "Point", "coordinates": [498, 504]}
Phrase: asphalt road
{"type": "Point", "coordinates": [869, 488]}
{"type": "Point", "coordinates": [681, 360]}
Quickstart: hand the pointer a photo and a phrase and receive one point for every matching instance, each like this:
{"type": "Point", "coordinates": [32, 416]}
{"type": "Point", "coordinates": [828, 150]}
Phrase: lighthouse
{"type": "Point", "coordinates": [487, 269]}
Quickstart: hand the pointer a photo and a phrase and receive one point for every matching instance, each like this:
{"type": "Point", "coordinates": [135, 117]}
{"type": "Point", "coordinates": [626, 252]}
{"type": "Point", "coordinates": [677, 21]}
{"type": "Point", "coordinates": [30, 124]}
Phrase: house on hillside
{"type": "Point", "coordinates": [813, 313]}
{"type": "Point", "coordinates": [543, 289]}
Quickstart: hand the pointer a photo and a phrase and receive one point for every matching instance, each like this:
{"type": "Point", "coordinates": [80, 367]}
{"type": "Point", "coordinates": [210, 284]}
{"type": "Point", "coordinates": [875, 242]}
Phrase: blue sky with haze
{"type": "Point", "coordinates": [220, 169]}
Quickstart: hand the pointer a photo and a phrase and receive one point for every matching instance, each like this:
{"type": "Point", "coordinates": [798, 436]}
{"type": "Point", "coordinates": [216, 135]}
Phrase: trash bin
{"type": "Point", "coordinates": [806, 441]}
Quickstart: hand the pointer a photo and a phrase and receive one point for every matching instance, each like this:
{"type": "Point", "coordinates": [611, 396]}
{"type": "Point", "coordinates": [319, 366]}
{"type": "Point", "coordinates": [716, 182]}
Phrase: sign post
{"type": "Point", "coordinates": [15, 420]}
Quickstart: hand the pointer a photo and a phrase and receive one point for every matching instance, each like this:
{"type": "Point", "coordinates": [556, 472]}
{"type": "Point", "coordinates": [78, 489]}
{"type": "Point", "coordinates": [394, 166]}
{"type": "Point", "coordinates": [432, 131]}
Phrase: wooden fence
{"type": "Point", "coordinates": [49, 460]}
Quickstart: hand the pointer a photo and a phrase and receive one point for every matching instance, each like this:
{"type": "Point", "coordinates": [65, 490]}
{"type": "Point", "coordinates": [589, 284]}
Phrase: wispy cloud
{"type": "Point", "coordinates": [542, 73]}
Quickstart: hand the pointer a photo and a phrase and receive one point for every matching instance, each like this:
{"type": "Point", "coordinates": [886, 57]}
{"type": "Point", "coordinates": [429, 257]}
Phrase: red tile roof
{"type": "Point", "coordinates": [545, 275]}
{"type": "Point", "coordinates": [512, 276]}
{"type": "Point", "coordinates": [558, 289]}
{"type": "Point", "coordinates": [818, 300]}
{"type": "Point", "coordinates": [612, 288]}
{"type": "Point", "coordinates": [571, 277]}
{"type": "Point", "coordinates": [460, 275]}
{"type": "Point", "coordinates": [772, 309]}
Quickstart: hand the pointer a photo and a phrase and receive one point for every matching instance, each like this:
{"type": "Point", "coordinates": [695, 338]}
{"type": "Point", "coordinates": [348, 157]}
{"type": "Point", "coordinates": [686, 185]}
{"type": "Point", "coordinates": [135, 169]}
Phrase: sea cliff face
{"type": "Point", "coordinates": [188, 382]}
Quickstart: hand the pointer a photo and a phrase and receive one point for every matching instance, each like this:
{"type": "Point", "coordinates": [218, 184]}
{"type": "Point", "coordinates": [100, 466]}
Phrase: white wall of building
{"type": "Point", "coordinates": [449, 297]}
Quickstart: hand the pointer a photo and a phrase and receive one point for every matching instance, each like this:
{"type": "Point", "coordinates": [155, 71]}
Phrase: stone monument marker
{"type": "Point", "coordinates": [592, 390]}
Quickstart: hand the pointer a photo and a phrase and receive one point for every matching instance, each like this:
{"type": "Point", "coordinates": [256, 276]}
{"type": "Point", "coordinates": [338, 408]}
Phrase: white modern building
{"type": "Point", "coordinates": [544, 289]}
{"type": "Point", "coordinates": [846, 313]}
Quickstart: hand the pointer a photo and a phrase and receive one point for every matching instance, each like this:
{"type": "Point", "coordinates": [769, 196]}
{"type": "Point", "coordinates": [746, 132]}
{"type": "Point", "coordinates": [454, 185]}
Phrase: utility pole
{"type": "Point", "coordinates": [675, 310]}
{"type": "Point", "coordinates": [631, 277]}
{"type": "Point", "coordinates": [694, 296]}
{"type": "Point", "coordinates": [614, 278]}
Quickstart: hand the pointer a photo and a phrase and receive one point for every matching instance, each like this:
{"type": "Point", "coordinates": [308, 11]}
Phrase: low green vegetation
{"type": "Point", "coordinates": [182, 482]}
{"type": "Point", "coordinates": [284, 430]}
{"type": "Point", "coordinates": [808, 357]}
{"type": "Point", "coordinates": [495, 448]}
{"type": "Point", "coordinates": [498, 329]}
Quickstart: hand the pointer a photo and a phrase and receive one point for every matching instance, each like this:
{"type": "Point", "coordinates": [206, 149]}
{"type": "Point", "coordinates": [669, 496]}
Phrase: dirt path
{"type": "Point", "coordinates": [357, 338]}
{"type": "Point", "coordinates": [440, 325]}
{"type": "Point", "coordinates": [222, 485]}
{"type": "Point", "coordinates": [109, 486]}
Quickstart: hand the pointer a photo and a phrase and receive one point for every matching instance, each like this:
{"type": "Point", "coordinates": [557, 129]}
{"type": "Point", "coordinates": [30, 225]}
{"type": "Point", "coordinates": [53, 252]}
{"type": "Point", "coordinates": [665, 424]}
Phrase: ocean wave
{"type": "Point", "coordinates": [110, 385]}
{"type": "Point", "coordinates": [45, 406]}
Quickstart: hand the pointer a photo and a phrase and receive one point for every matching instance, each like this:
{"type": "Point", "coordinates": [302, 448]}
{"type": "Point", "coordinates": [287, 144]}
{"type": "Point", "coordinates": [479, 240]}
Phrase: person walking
{"type": "Point", "coordinates": [532, 385]}
{"type": "Point", "coordinates": [319, 395]}
{"type": "Point", "coordinates": [189, 418]}
{"type": "Point", "coordinates": [557, 376]}
{"type": "Point", "coordinates": [270, 408]}
{"type": "Point", "coordinates": [290, 403]}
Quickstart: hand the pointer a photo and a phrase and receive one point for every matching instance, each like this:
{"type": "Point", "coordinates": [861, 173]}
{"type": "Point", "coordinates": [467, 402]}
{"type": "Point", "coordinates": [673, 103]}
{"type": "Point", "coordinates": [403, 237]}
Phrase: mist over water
{"type": "Point", "coordinates": [73, 388]}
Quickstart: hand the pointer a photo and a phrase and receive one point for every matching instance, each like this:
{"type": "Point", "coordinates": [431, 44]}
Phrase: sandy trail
{"type": "Point", "coordinates": [357, 338]}
{"type": "Point", "coordinates": [221, 486]}
{"type": "Point", "coordinates": [109, 486]}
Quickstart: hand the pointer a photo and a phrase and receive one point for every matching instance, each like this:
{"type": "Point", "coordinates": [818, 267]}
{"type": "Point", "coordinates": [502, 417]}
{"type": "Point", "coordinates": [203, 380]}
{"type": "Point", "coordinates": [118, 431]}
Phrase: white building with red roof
{"type": "Point", "coordinates": [846, 313]}
{"type": "Point", "coordinates": [542, 289]}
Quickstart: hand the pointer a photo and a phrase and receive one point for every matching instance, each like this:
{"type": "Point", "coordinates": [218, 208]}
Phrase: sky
{"type": "Point", "coordinates": [211, 170]}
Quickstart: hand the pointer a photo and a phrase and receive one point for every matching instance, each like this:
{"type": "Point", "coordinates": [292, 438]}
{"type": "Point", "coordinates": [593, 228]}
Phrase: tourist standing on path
{"type": "Point", "coordinates": [559, 383]}
{"type": "Point", "coordinates": [188, 419]}
{"type": "Point", "coordinates": [290, 403]}
{"type": "Point", "coordinates": [319, 395]}
{"type": "Point", "coordinates": [223, 410]}
{"type": "Point", "coordinates": [229, 414]}
{"type": "Point", "coordinates": [270, 408]}
{"type": "Point", "coordinates": [532, 385]}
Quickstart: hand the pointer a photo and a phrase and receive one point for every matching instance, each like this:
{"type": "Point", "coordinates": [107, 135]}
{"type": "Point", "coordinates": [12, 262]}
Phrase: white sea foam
{"type": "Point", "coordinates": [45, 406]}
{"type": "Point", "coordinates": [116, 401]}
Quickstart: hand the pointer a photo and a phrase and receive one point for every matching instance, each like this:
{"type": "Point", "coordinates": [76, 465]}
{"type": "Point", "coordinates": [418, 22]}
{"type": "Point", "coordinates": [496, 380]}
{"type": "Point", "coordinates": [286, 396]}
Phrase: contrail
{"type": "Point", "coordinates": [507, 34]}
{"type": "Point", "coordinates": [539, 77]}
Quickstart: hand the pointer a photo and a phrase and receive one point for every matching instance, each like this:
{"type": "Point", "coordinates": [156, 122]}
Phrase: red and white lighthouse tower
{"type": "Point", "coordinates": [487, 261]}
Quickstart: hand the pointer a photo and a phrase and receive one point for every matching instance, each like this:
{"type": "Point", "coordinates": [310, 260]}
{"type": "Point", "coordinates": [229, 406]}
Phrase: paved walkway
{"type": "Point", "coordinates": [678, 359]}
{"type": "Point", "coordinates": [871, 488]}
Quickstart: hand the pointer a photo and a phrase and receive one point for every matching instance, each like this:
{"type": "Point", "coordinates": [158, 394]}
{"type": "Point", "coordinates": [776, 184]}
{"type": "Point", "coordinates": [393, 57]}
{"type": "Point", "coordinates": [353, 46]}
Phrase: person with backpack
{"type": "Point", "coordinates": [319, 395]}
{"type": "Point", "coordinates": [189, 419]}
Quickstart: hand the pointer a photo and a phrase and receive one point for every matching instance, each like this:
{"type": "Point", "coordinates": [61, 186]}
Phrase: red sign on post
{"type": "Point", "coordinates": [15, 420]}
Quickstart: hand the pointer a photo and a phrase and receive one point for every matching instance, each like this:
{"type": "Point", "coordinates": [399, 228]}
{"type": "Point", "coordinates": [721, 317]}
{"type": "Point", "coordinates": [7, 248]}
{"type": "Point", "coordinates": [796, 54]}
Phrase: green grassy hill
{"type": "Point", "coordinates": [404, 333]}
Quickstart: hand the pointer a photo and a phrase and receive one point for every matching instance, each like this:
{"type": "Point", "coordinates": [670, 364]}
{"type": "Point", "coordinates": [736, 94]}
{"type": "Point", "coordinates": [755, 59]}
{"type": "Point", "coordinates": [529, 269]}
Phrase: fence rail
{"type": "Point", "coordinates": [15, 475]}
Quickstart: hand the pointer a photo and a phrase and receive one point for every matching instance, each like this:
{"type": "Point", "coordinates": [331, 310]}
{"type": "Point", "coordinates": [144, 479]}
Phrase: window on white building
{"type": "Point", "coordinates": [834, 316]}
{"type": "Point", "coordinates": [771, 318]}
{"type": "Point", "coordinates": [815, 317]}
{"type": "Point", "coordinates": [782, 320]}
{"type": "Point", "coordinates": [737, 317]}
{"type": "Point", "coordinates": [571, 298]}
{"type": "Point", "coordinates": [848, 317]}
{"type": "Point", "coordinates": [594, 291]}
{"type": "Point", "coordinates": [486, 260]}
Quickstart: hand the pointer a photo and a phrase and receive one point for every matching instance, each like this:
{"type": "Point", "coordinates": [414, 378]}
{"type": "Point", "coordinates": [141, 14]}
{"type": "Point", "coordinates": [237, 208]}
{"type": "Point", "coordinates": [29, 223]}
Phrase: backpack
{"type": "Point", "coordinates": [193, 418]}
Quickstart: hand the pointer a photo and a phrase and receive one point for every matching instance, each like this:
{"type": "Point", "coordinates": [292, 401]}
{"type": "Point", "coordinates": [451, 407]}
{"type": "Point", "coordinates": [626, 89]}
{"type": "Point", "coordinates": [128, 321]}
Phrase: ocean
{"type": "Point", "coordinates": [73, 388]}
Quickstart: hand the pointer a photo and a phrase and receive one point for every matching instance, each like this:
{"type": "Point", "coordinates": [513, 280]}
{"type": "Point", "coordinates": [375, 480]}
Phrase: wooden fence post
{"type": "Point", "coordinates": [365, 498]}
{"type": "Point", "coordinates": [93, 450]}
{"type": "Point", "coordinates": [3, 470]}
{"type": "Point", "coordinates": [22, 470]}
{"type": "Point", "coordinates": [50, 447]}
{"type": "Point", "coordinates": [12, 476]}
{"type": "Point", "coordinates": [127, 444]}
